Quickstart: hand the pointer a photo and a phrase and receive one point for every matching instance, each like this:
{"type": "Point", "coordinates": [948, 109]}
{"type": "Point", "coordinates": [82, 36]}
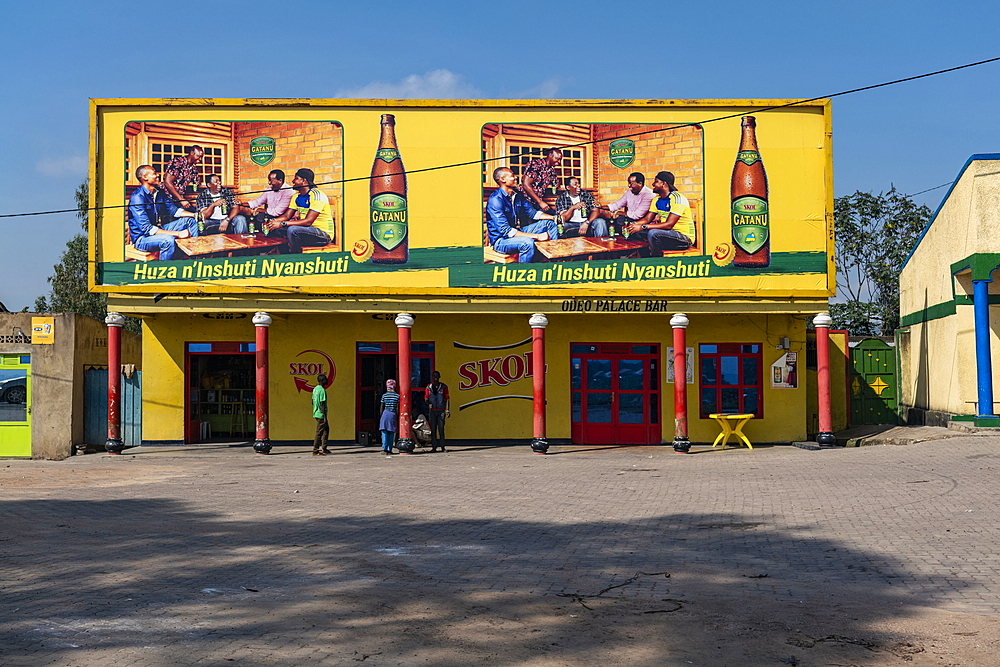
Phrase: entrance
{"type": "Point", "coordinates": [15, 405]}
{"type": "Point", "coordinates": [873, 383]}
{"type": "Point", "coordinates": [615, 394]}
{"type": "Point", "coordinates": [377, 362]}
{"type": "Point", "coordinates": [221, 398]}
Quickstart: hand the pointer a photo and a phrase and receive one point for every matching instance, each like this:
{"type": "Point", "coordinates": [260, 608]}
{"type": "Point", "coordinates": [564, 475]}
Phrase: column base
{"type": "Point", "coordinates": [262, 446]}
{"type": "Point", "coordinates": [114, 445]}
{"type": "Point", "coordinates": [826, 439]}
{"type": "Point", "coordinates": [539, 445]}
{"type": "Point", "coordinates": [405, 445]}
{"type": "Point", "coordinates": [682, 445]}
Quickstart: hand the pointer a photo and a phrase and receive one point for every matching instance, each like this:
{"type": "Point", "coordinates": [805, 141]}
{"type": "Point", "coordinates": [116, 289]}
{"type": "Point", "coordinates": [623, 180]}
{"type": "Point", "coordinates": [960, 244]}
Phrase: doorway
{"type": "Point", "coordinates": [873, 383]}
{"type": "Point", "coordinates": [221, 400]}
{"type": "Point", "coordinates": [615, 394]}
{"type": "Point", "coordinates": [15, 405]}
{"type": "Point", "coordinates": [378, 362]}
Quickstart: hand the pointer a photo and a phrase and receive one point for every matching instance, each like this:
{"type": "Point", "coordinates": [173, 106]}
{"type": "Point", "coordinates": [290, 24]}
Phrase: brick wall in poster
{"type": "Point", "coordinates": [318, 146]}
{"type": "Point", "coordinates": [679, 151]}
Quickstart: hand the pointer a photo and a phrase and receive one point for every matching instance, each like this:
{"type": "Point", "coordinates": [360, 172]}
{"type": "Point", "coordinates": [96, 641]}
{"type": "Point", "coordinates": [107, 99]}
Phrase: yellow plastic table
{"type": "Point", "coordinates": [731, 425]}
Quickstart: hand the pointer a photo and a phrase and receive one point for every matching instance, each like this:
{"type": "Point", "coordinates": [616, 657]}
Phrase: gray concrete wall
{"type": "Point", "coordinates": [57, 374]}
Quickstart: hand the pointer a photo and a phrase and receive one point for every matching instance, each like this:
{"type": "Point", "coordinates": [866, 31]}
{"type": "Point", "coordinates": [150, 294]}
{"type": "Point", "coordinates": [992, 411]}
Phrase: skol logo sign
{"type": "Point", "coordinates": [500, 371]}
{"type": "Point", "coordinates": [262, 150]}
{"type": "Point", "coordinates": [622, 152]}
{"type": "Point", "coordinates": [302, 370]}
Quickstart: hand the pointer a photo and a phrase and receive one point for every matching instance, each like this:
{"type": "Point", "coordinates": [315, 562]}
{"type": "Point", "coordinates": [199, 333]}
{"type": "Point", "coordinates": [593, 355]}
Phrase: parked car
{"type": "Point", "coordinates": [14, 390]}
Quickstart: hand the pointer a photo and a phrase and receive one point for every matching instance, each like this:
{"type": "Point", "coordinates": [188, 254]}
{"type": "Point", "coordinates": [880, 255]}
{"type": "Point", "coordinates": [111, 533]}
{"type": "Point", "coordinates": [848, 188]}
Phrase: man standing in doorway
{"type": "Point", "coordinates": [181, 172]}
{"type": "Point", "coordinates": [439, 404]}
{"type": "Point", "coordinates": [320, 414]}
{"type": "Point", "coordinates": [539, 174]}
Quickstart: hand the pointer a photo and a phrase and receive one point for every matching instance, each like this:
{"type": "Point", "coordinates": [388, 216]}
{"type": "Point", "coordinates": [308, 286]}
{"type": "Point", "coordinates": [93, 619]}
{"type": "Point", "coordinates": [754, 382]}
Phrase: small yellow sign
{"type": "Point", "coordinates": [43, 330]}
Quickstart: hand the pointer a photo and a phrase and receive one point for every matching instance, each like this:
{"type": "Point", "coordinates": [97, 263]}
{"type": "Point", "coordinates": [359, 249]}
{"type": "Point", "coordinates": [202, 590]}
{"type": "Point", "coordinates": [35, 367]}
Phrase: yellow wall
{"type": "Point", "coordinates": [938, 356]}
{"type": "Point", "coordinates": [337, 336]}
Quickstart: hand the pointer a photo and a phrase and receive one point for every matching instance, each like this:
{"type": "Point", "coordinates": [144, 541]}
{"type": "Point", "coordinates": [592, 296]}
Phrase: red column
{"type": "Point", "coordinates": [822, 323]}
{"type": "Point", "coordinates": [405, 444]}
{"type": "Point", "coordinates": [114, 443]}
{"type": "Point", "coordinates": [538, 322]}
{"type": "Point", "coordinates": [262, 445]}
{"type": "Point", "coordinates": [679, 323]}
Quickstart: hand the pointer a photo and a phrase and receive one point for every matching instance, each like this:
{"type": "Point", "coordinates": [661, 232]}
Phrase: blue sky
{"type": "Point", "coordinates": [56, 55]}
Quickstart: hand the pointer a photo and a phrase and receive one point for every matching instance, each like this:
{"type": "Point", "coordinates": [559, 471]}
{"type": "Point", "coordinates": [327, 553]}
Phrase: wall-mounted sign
{"type": "Point", "coordinates": [784, 372]}
{"type": "Point", "coordinates": [374, 220]}
{"type": "Point", "coordinates": [262, 150]}
{"type": "Point", "coordinates": [688, 365]}
{"type": "Point", "coordinates": [43, 330]}
{"type": "Point", "coordinates": [621, 152]}
{"type": "Point", "coordinates": [304, 372]}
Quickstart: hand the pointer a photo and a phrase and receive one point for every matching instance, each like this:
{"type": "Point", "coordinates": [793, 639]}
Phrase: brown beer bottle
{"type": "Point", "coordinates": [389, 221]}
{"type": "Point", "coordinates": [750, 216]}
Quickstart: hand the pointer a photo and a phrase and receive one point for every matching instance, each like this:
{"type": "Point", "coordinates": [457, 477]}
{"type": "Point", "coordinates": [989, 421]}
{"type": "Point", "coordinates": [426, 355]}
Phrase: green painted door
{"type": "Point", "coordinates": [873, 383]}
{"type": "Point", "coordinates": [15, 405]}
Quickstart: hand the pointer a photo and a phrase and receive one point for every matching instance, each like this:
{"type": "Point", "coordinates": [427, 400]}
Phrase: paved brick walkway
{"type": "Point", "coordinates": [214, 556]}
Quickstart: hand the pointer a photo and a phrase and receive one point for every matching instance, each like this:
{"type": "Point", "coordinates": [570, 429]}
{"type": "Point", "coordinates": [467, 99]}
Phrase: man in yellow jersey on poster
{"type": "Point", "coordinates": [308, 221]}
{"type": "Point", "coordinates": [668, 226]}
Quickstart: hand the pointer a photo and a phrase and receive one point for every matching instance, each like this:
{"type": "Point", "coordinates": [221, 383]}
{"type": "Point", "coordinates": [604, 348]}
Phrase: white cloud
{"type": "Point", "coordinates": [71, 165]}
{"type": "Point", "coordinates": [546, 90]}
{"type": "Point", "coordinates": [437, 84]}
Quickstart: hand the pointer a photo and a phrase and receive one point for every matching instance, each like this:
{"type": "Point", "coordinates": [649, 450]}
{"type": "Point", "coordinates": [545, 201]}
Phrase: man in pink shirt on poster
{"type": "Point", "coordinates": [271, 203]}
{"type": "Point", "coordinates": [634, 204]}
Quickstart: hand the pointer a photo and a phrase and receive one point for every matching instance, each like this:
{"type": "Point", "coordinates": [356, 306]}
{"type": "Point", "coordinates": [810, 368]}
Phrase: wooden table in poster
{"type": "Point", "coordinates": [215, 245]}
{"type": "Point", "coordinates": [731, 425]}
{"type": "Point", "coordinates": [581, 248]}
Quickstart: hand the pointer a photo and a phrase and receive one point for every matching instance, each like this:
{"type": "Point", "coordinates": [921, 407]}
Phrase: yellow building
{"type": "Point", "coordinates": [946, 296]}
{"type": "Point", "coordinates": [744, 251]}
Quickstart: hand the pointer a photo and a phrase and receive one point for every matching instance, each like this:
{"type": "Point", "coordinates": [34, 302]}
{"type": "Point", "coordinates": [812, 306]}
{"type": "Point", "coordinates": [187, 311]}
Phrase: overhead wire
{"type": "Point", "coordinates": [586, 143]}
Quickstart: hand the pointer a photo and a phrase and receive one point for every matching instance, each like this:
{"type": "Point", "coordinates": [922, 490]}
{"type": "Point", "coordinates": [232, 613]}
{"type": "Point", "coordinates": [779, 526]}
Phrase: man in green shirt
{"type": "Point", "coordinates": [319, 412]}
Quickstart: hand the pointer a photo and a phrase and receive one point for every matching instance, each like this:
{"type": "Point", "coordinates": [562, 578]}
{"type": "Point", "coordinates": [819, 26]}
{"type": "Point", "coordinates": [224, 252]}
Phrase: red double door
{"type": "Point", "coordinates": [615, 393]}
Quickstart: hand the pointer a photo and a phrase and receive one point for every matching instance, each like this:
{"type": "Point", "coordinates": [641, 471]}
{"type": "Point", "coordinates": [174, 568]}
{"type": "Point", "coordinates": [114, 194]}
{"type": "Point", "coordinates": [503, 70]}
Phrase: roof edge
{"type": "Point", "coordinates": [974, 158]}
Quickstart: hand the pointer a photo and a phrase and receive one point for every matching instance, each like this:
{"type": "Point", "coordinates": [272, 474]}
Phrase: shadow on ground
{"type": "Point", "coordinates": [150, 581]}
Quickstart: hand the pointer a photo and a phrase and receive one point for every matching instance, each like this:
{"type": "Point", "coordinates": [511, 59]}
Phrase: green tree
{"type": "Point", "coordinates": [875, 233]}
{"type": "Point", "coordinates": [68, 281]}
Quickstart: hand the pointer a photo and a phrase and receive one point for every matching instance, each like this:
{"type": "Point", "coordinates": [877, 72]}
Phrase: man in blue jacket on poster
{"type": "Point", "coordinates": [512, 223]}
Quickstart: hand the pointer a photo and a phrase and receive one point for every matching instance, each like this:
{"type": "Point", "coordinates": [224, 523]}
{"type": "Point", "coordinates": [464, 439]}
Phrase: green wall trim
{"type": "Point", "coordinates": [934, 312]}
{"type": "Point", "coordinates": [982, 264]}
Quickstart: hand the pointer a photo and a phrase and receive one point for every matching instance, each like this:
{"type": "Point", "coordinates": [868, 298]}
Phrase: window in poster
{"type": "Point", "coordinates": [688, 365]}
{"type": "Point", "coordinates": [784, 372]}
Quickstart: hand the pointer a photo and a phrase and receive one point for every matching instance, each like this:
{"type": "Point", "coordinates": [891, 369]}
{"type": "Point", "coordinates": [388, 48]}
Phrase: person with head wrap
{"type": "Point", "coordinates": [388, 423]}
{"type": "Point", "coordinates": [308, 221]}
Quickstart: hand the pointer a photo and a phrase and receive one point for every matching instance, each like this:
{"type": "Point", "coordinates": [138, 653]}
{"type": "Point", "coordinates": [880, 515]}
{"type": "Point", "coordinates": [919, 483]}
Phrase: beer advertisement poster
{"type": "Point", "coordinates": [557, 199]}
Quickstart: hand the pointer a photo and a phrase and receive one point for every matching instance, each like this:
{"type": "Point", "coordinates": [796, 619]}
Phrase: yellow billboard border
{"type": "Point", "coordinates": [97, 105]}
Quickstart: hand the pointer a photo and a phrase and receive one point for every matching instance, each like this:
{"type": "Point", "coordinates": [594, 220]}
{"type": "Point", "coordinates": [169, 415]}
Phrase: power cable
{"type": "Point", "coordinates": [586, 143]}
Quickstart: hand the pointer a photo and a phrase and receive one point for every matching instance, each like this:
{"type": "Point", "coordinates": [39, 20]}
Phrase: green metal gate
{"type": "Point", "coordinates": [873, 383]}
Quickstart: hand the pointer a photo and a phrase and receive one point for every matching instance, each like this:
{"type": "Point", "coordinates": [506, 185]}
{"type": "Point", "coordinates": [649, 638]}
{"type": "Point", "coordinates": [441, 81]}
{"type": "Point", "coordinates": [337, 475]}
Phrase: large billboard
{"type": "Point", "coordinates": [439, 198]}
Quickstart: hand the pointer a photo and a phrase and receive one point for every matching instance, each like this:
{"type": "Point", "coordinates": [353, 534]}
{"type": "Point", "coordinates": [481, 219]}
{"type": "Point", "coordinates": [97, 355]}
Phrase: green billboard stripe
{"type": "Point", "coordinates": [275, 266]}
{"type": "Point", "coordinates": [934, 312]}
{"type": "Point", "coordinates": [627, 270]}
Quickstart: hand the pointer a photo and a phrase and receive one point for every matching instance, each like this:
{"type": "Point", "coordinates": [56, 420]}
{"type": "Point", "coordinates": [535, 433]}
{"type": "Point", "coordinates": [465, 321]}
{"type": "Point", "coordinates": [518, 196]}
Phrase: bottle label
{"type": "Point", "coordinates": [387, 154]}
{"type": "Point", "coordinates": [751, 220]}
{"type": "Point", "coordinates": [388, 219]}
{"type": "Point", "coordinates": [748, 157]}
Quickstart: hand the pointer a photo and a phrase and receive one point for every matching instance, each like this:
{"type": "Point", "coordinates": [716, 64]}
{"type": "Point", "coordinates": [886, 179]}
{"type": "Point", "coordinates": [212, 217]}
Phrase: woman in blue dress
{"type": "Point", "coordinates": [388, 424]}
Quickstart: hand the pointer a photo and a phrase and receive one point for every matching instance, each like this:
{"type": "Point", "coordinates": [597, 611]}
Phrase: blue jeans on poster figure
{"type": "Point", "coordinates": [166, 243]}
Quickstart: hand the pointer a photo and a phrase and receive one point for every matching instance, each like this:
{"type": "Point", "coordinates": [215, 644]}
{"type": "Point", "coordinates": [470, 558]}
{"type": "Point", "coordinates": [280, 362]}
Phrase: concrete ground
{"type": "Point", "coordinates": [491, 555]}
